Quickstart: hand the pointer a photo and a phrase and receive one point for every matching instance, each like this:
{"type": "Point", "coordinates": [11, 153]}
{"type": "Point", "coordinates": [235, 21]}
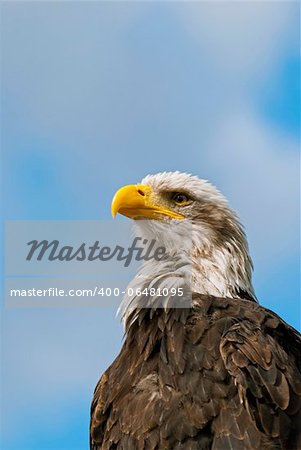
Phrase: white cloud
{"type": "Point", "coordinates": [240, 37]}
{"type": "Point", "coordinates": [259, 169]}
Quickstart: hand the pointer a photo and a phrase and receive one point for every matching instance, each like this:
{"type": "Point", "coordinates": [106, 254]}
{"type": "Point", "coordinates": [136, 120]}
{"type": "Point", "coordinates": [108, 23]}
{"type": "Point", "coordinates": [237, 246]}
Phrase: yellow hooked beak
{"type": "Point", "coordinates": [136, 201]}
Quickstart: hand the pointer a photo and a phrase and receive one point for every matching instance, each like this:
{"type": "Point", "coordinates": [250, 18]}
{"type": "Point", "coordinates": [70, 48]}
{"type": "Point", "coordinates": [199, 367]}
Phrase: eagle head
{"type": "Point", "coordinates": [221, 264]}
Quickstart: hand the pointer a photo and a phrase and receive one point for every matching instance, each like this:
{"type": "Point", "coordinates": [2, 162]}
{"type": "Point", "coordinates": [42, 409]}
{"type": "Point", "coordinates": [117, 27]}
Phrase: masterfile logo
{"type": "Point", "coordinates": [90, 263]}
{"type": "Point", "coordinates": [140, 250]}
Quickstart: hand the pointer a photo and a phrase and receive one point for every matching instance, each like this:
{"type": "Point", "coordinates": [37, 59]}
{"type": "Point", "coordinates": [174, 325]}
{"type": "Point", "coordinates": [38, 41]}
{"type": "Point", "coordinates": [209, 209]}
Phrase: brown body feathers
{"type": "Point", "coordinates": [225, 374]}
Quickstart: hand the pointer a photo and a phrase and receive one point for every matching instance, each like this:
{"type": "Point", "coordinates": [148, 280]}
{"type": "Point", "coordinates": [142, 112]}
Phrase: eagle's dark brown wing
{"type": "Point", "coordinates": [265, 371]}
{"type": "Point", "coordinates": [223, 375]}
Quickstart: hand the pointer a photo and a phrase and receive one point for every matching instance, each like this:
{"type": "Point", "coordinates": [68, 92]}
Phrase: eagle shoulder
{"type": "Point", "coordinates": [224, 374]}
{"type": "Point", "coordinates": [263, 355]}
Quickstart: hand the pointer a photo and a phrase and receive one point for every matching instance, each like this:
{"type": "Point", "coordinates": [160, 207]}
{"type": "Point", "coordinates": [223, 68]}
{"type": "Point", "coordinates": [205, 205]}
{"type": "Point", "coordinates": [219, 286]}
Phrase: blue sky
{"type": "Point", "coordinates": [96, 95]}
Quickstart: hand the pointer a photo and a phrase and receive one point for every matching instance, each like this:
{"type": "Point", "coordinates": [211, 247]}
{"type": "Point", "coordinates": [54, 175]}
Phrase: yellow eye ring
{"type": "Point", "coordinates": [181, 199]}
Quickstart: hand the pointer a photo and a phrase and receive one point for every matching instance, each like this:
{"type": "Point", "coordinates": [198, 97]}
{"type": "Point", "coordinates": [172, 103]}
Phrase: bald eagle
{"type": "Point", "coordinates": [222, 373]}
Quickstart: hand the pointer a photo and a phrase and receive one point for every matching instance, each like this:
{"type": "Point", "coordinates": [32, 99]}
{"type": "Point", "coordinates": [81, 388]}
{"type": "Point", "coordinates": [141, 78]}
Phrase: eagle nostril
{"type": "Point", "coordinates": [141, 192]}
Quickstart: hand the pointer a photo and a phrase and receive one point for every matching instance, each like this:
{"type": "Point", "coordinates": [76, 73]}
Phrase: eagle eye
{"type": "Point", "coordinates": [180, 198]}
